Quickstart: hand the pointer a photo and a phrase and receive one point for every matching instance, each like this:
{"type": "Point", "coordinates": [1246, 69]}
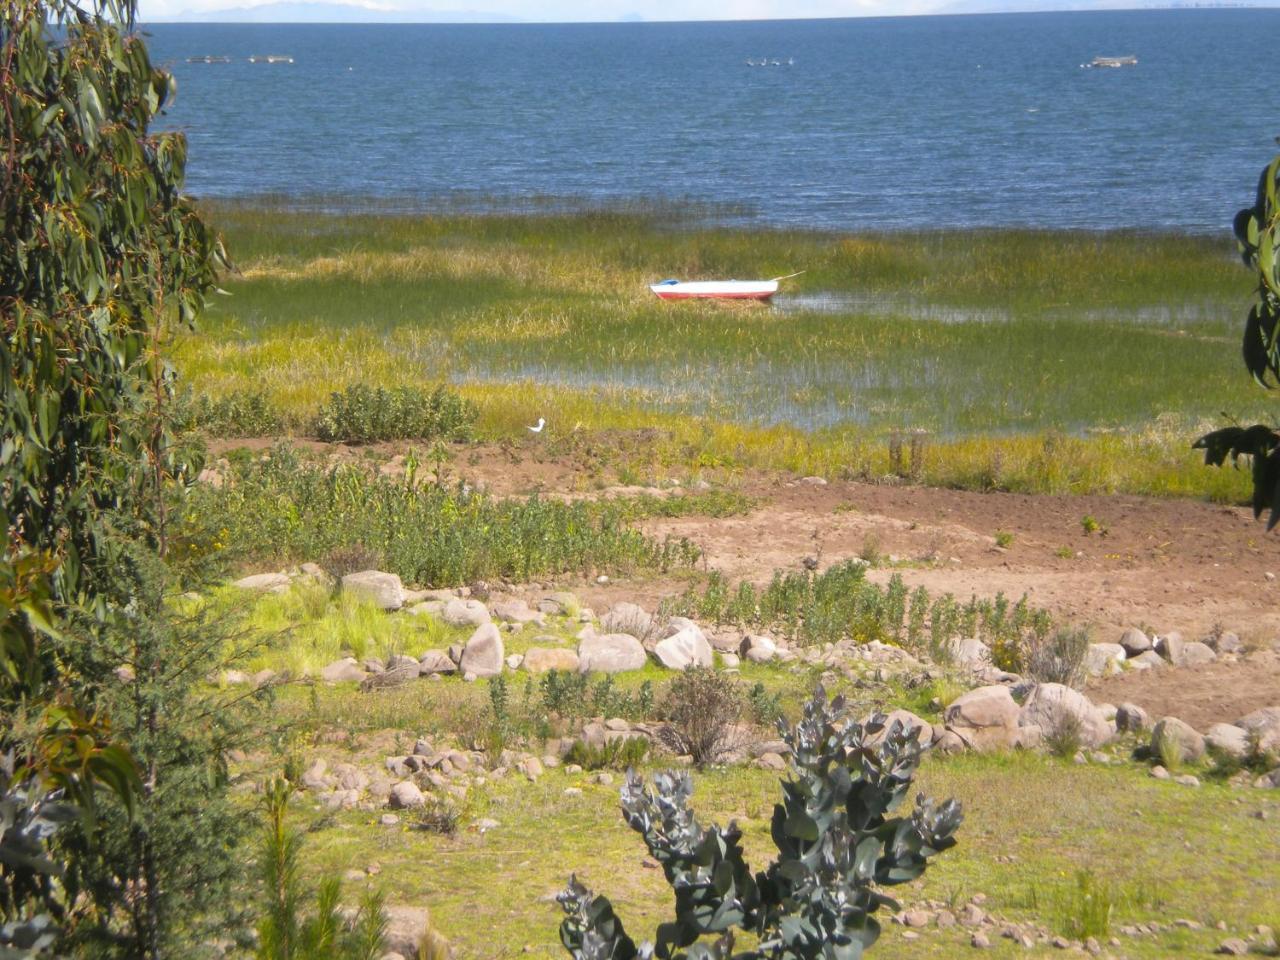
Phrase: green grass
{"type": "Point", "coordinates": [1036, 340]}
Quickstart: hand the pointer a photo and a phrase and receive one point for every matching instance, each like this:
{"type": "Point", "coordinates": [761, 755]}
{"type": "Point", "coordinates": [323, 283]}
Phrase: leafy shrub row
{"type": "Point", "coordinates": [840, 603]}
{"type": "Point", "coordinates": [362, 414]}
{"type": "Point", "coordinates": [234, 415]}
{"type": "Point", "coordinates": [281, 508]}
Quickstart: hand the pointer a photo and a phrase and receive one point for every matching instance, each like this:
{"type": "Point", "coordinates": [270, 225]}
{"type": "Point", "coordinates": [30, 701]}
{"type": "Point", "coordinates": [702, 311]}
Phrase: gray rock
{"type": "Point", "coordinates": [758, 648]}
{"type": "Point", "coordinates": [373, 665]}
{"type": "Point", "coordinates": [1056, 708]}
{"type": "Point", "coordinates": [1233, 947]}
{"type": "Point", "coordinates": [517, 611]}
{"type": "Point", "coordinates": [514, 660]}
{"type": "Point", "coordinates": [969, 652]}
{"type": "Point", "coordinates": [483, 655]}
{"type": "Point", "coordinates": [316, 777]}
{"type": "Point", "coordinates": [1195, 653]}
{"type": "Point", "coordinates": [610, 653]}
{"type": "Point", "coordinates": [1269, 780]}
{"type": "Point", "coordinates": [1134, 642]}
{"type": "Point", "coordinates": [1265, 725]}
{"type": "Point", "coordinates": [1187, 780]}
{"type": "Point", "coordinates": [407, 929]}
{"type": "Point", "coordinates": [264, 583]}
{"type": "Point", "coordinates": [1150, 660]}
{"type": "Point", "coordinates": [542, 659]}
{"type": "Point", "coordinates": [985, 718]}
{"type": "Point", "coordinates": [730, 661]}
{"type": "Point", "coordinates": [1228, 739]}
{"type": "Point", "coordinates": [405, 795]}
{"type": "Point", "coordinates": [1131, 718]}
{"type": "Point", "coordinates": [399, 661]}
{"type": "Point", "coordinates": [1169, 646]}
{"type": "Point", "coordinates": [350, 777]}
{"type": "Point", "coordinates": [531, 767]}
{"type": "Point", "coordinates": [436, 661]}
{"type": "Point", "coordinates": [630, 619]}
{"type": "Point", "coordinates": [1103, 658]}
{"type": "Point", "coordinates": [458, 612]}
{"type": "Point", "coordinates": [684, 649]}
{"type": "Point", "coordinates": [384, 590]}
{"type": "Point", "coordinates": [1178, 737]}
{"type": "Point", "coordinates": [923, 729]}
{"type": "Point", "coordinates": [343, 671]}
{"type": "Point", "coordinates": [1223, 643]}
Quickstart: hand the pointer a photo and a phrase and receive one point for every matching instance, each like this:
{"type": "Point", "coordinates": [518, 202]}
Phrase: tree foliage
{"type": "Point", "coordinates": [838, 847]}
{"type": "Point", "coordinates": [1257, 230]}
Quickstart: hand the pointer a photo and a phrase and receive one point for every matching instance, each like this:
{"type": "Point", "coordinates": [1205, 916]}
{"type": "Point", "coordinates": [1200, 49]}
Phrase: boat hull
{"type": "Point", "coordinates": [716, 290]}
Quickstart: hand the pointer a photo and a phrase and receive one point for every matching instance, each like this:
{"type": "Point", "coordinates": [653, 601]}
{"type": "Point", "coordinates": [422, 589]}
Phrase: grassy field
{"type": "Point", "coordinates": [1036, 360]}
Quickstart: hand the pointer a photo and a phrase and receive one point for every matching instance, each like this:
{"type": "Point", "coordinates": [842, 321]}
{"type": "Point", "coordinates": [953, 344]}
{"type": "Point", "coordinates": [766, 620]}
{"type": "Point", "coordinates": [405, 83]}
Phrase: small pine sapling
{"type": "Point", "coordinates": [838, 847]}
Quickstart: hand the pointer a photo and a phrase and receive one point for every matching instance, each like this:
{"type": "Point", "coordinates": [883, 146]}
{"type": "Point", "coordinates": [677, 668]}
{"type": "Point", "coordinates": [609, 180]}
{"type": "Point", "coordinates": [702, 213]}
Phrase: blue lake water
{"type": "Point", "coordinates": [864, 124]}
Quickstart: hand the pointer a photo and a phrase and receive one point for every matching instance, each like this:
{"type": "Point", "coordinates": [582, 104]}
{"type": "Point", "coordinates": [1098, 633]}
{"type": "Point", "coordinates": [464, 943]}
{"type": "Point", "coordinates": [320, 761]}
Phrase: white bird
{"type": "Point", "coordinates": [538, 429]}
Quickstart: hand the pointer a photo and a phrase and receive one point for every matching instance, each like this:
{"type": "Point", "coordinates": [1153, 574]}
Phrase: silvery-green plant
{"type": "Point", "coordinates": [839, 846]}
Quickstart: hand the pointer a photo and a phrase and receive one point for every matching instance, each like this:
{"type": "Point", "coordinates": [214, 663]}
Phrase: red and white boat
{"type": "Point", "coordinates": [718, 289]}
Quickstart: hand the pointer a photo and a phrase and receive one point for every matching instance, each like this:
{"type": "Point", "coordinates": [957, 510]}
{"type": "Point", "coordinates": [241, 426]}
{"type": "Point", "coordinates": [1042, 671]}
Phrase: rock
{"type": "Point", "coordinates": [687, 648]}
{"type": "Point", "coordinates": [630, 619]}
{"type": "Point", "coordinates": [969, 652]}
{"type": "Point", "coordinates": [517, 611]}
{"type": "Point", "coordinates": [985, 718]}
{"type": "Point", "coordinates": [923, 729]}
{"type": "Point", "coordinates": [1134, 642]}
{"type": "Point", "coordinates": [400, 662]}
{"type": "Point", "coordinates": [1268, 780]}
{"type": "Point", "coordinates": [436, 661]}
{"type": "Point", "coordinates": [542, 659]}
{"type": "Point", "coordinates": [1224, 643]}
{"type": "Point", "coordinates": [1228, 739]}
{"type": "Point", "coordinates": [1056, 708]}
{"type": "Point", "coordinates": [1131, 718]}
{"type": "Point", "coordinates": [812, 481]}
{"type": "Point", "coordinates": [1169, 647]}
{"type": "Point", "coordinates": [264, 583]}
{"type": "Point", "coordinates": [349, 777]}
{"type": "Point", "coordinates": [1187, 780]}
{"type": "Point", "coordinates": [483, 655]}
{"type": "Point", "coordinates": [530, 767]}
{"type": "Point", "coordinates": [388, 820]}
{"type": "Point", "coordinates": [407, 929]}
{"type": "Point", "coordinates": [980, 940]}
{"type": "Point", "coordinates": [1103, 658]}
{"type": "Point", "coordinates": [1172, 735]}
{"type": "Point", "coordinates": [771, 761]}
{"type": "Point", "coordinates": [1234, 947]}
{"type": "Point", "coordinates": [1159, 772]}
{"type": "Point", "coordinates": [315, 776]}
{"type": "Point", "coordinates": [949, 742]}
{"type": "Point", "coordinates": [460, 612]}
{"type": "Point", "coordinates": [384, 590]}
{"type": "Point", "coordinates": [1265, 725]}
{"type": "Point", "coordinates": [514, 660]}
{"type": "Point", "coordinates": [373, 665]}
{"type": "Point", "coordinates": [730, 661]}
{"type": "Point", "coordinates": [343, 671]}
{"type": "Point", "coordinates": [1150, 660]}
{"type": "Point", "coordinates": [610, 653]}
{"type": "Point", "coordinates": [405, 795]}
{"type": "Point", "coordinates": [1196, 653]}
{"type": "Point", "coordinates": [561, 603]}
{"type": "Point", "coordinates": [317, 574]}
{"type": "Point", "coordinates": [758, 648]}
{"type": "Point", "coordinates": [915, 918]}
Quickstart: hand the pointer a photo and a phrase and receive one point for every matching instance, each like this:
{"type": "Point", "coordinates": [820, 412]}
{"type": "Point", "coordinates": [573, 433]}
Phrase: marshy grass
{"type": "Point", "coordinates": [1035, 360]}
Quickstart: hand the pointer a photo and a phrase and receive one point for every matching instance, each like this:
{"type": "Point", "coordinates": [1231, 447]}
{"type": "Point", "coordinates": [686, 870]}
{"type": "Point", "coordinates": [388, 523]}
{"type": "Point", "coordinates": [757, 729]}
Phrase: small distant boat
{"type": "Point", "coordinates": [1129, 61]}
{"type": "Point", "coordinates": [271, 58]}
{"type": "Point", "coordinates": [208, 59]}
{"type": "Point", "coordinates": [718, 289]}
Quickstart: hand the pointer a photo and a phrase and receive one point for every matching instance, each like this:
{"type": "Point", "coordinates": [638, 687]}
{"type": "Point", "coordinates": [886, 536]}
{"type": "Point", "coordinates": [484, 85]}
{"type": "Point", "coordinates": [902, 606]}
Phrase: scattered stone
{"type": "Point", "coordinates": [603, 779]}
{"type": "Point", "coordinates": [730, 661]}
{"type": "Point", "coordinates": [1131, 718]}
{"type": "Point", "coordinates": [915, 918]}
{"type": "Point", "coordinates": [980, 940]}
{"type": "Point", "coordinates": [1177, 737]}
{"type": "Point", "coordinates": [517, 611]}
{"type": "Point", "coordinates": [813, 481]}
{"type": "Point", "coordinates": [610, 653]}
{"type": "Point", "coordinates": [1134, 642]}
{"type": "Point", "coordinates": [315, 776]}
{"type": "Point", "coordinates": [530, 767]}
{"type": "Point", "coordinates": [684, 649]}
{"type": "Point", "coordinates": [264, 583]}
{"type": "Point", "coordinates": [435, 662]}
{"type": "Point", "coordinates": [1187, 780]}
{"type": "Point", "coordinates": [483, 654]}
{"type": "Point", "coordinates": [542, 659]}
{"type": "Point", "coordinates": [405, 795]}
{"type": "Point", "coordinates": [465, 612]}
{"type": "Point", "coordinates": [1150, 660]}
{"type": "Point", "coordinates": [399, 661]}
{"type": "Point", "coordinates": [384, 590]}
{"type": "Point", "coordinates": [514, 660]}
{"type": "Point", "coordinates": [758, 648]}
{"type": "Point", "coordinates": [985, 718]}
{"type": "Point", "coordinates": [1159, 772]}
{"type": "Point", "coordinates": [1233, 947]}
{"type": "Point", "coordinates": [343, 671]}
{"type": "Point", "coordinates": [388, 820]}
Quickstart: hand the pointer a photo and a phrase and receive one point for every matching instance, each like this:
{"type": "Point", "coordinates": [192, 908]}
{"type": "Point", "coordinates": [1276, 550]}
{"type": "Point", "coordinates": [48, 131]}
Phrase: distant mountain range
{"type": "Point", "coordinates": [300, 11]}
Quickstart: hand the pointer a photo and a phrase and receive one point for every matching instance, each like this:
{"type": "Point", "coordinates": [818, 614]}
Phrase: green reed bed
{"type": "Point", "coordinates": [981, 334]}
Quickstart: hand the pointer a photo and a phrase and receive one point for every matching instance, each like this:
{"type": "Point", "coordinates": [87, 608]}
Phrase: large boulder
{"type": "Point", "coordinates": [483, 656]}
{"type": "Point", "coordinates": [1265, 725]}
{"type": "Point", "coordinates": [1228, 739]}
{"type": "Point", "coordinates": [758, 648]}
{"type": "Point", "coordinates": [1196, 653]}
{"type": "Point", "coordinates": [405, 795]}
{"type": "Point", "coordinates": [1170, 647]}
{"type": "Point", "coordinates": [610, 653]}
{"type": "Point", "coordinates": [1171, 735]}
{"type": "Point", "coordinates": [1056, 709]}
{"type": "Point", "coordinates": [985, 718]}
{"type": "Point", "coordinates": [345, 670]}
{"type": "Point", "coordinates": [264, 583]}
{"type": "Point", "coordinates": [683, 649]}
{"type": "Point", "coordinates": [542, 659]}
{"type": "Point", "coordinates": [1131, 718]}
{"type": "Point", "coordinates": [384, 590]}
{"type": "Point", "coordinates": [459, 612]}
{"type": "Point", "coordinates": [1134, 642]}
{"type": "Point", "coordinates": [630, 619]}
{"type": "Point", "coordinates": [1103, 658]}
{"type": "Point", "coordinates": [922, 728]}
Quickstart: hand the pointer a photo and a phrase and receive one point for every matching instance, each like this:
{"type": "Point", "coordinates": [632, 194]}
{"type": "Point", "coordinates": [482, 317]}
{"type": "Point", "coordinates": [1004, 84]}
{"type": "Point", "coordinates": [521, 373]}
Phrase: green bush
{"type": "Point", "coordinates": [281, 509]}
{"type": "Point", "coordinates": [233, 415]}
{"type": "Point", "coordinates": [838, 848]}
{"type": "Point", "coordinates": [362, 414]}
{"type": "Point", "coordinates": [702, 708]}
{"type": "Point", "coordinates": [621, 753]}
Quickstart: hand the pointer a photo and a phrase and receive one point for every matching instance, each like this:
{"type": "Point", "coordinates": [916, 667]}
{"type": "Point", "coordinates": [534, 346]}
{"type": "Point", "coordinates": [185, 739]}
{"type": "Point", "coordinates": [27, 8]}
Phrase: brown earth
{"type": "Point", "coordinates": [1162, 565]}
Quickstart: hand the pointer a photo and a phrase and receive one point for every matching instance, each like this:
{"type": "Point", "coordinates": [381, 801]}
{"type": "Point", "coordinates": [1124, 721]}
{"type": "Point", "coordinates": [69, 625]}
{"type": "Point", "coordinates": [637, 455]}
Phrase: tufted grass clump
{"type": "Point", "coordinates": [280, 508]}
{"type": "Point", "coordinates": [364, 414]}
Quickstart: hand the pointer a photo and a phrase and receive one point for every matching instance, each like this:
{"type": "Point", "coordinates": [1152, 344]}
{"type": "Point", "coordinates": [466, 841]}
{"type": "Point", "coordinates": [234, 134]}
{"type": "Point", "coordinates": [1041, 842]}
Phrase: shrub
{"type": "Point", "coordinates": [1086, 908]}
{"type": "Point", "coordinates": [621, 753]}
{"type": "Point", "coordinates": [838, 848]}
{"type": "Point", "coordinates": [1064, 737]}
{"type": "Point", "coordinates": [702, 708]}
{"type": "Point", "coordinates": [234, 415]}
{"type": "Point", "coordinates": [1060, 658]}
{"type": "Point", "coordinates": [362, 414]}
